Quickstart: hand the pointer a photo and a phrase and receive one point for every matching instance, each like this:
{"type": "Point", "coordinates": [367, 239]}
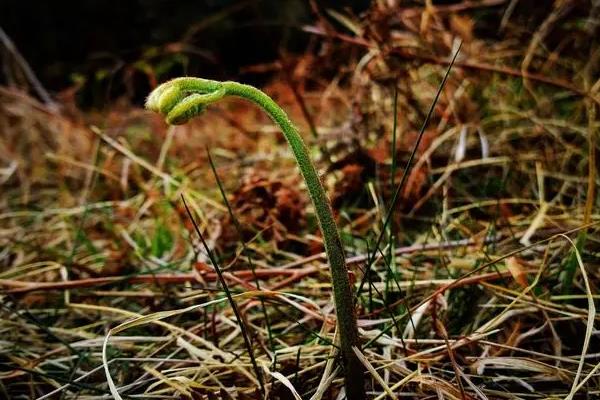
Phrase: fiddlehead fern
{"type": "Point", "coordinates": [182, 99]}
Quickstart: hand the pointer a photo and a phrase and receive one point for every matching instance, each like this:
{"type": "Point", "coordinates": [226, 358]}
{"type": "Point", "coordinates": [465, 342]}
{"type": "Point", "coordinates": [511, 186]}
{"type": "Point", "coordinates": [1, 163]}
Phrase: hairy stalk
{"type": "Point", "coordinates": [182, 99]}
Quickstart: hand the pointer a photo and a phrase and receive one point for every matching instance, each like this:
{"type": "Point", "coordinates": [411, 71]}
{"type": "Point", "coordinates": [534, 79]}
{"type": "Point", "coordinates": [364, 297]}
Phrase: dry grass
{"type": "Point", "coordinates": [484, 286]}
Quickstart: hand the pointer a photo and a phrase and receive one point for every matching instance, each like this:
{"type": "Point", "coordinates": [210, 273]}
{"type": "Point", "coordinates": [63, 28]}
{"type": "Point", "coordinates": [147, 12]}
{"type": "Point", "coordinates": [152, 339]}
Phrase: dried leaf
{"type": "Point", "coordinates": [516, 270]}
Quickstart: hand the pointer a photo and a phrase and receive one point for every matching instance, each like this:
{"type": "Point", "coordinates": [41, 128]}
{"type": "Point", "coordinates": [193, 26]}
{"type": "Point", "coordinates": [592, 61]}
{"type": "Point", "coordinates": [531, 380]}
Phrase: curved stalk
{"type": "Point", "coordinates": [182, 99]}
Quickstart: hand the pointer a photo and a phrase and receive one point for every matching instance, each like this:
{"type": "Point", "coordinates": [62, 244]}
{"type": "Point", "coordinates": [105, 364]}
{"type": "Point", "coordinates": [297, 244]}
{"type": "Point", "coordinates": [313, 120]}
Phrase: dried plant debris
{"type": "Point", "coordinates": [484, 286]}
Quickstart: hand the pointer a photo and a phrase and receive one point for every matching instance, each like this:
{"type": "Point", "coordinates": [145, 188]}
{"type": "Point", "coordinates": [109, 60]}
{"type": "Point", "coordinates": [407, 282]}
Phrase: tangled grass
{"type": "Point", "coordinates": [485, 283]}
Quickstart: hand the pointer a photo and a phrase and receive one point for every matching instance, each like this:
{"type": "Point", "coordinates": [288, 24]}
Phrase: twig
{"type": "Point", "coordinates": [31, 77]}
{"type": "Point", "coordinates": [411, 55]}
{"type": "Point", "coordinates": [21, 287]}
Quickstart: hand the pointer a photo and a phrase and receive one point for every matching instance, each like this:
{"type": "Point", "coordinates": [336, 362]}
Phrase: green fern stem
{"type": "Point", "coordinates": [182, 99]}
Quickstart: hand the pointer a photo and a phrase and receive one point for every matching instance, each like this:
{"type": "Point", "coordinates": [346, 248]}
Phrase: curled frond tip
{"type": "Point", "coordinates": [179, 100]}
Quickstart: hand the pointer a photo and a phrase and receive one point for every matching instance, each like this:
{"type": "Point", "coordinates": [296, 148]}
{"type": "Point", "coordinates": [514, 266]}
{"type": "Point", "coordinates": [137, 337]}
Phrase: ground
{"type": "Point", "coordinates": [484, 283]}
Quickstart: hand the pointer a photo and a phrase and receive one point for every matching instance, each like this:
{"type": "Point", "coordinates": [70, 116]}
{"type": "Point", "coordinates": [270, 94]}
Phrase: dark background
{"type": "Point", "coordinates": [112, 47]}
{"type": "Point", "coordinates": [92, 52]}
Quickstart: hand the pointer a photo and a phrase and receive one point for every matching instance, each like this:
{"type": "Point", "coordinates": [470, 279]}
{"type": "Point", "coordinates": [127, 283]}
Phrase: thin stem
{"type": "Point", "coordinates": [245, 251]}
{"type": "Point", "coordinates": [183, 98]}
{"type": "Point", "coordinates": [232, 302]}
{"type": "Point", "coordinates": [404, 178]}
